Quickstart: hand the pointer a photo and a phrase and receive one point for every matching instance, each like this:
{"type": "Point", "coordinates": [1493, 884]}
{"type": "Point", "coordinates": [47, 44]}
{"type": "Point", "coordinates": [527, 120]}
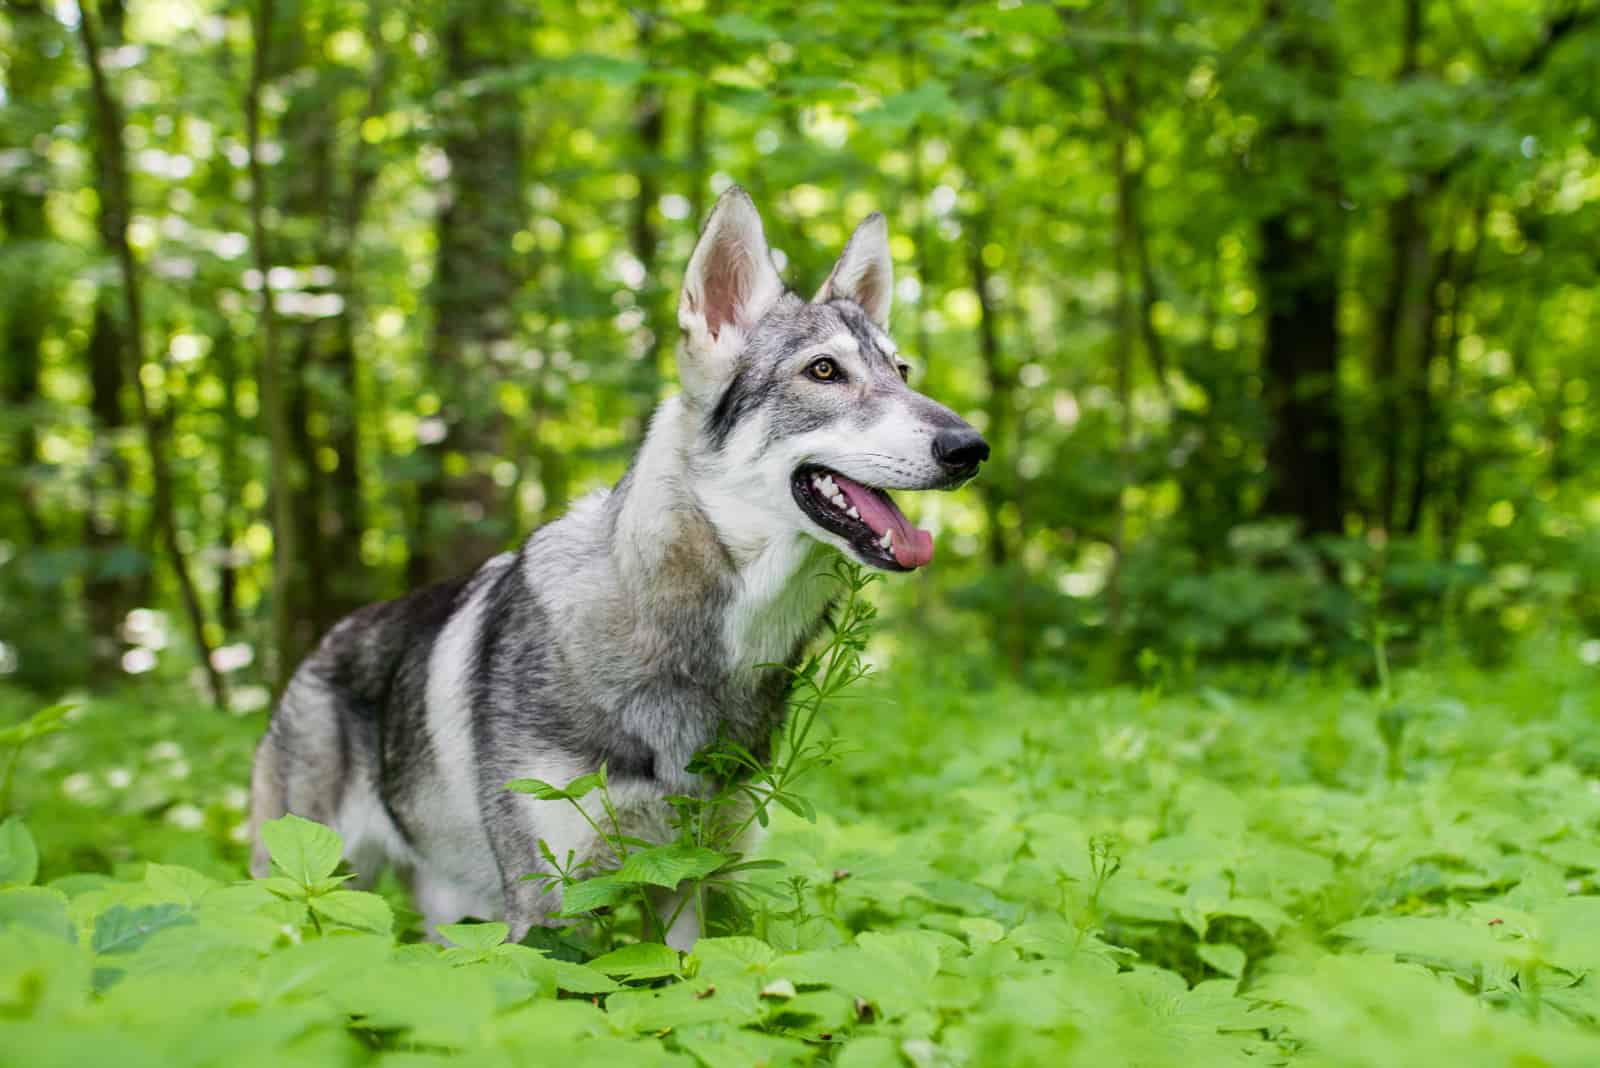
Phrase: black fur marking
{"type": "Point", "coordinates": [736, 402]}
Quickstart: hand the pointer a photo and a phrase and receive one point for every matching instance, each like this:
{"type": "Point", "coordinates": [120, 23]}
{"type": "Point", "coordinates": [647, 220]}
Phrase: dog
{"type": "Point", "coordinates": [642, 624]}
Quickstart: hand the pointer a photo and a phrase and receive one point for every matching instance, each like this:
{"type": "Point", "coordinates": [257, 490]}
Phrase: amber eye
{"type": "Point", "coordinates": [823, 370]}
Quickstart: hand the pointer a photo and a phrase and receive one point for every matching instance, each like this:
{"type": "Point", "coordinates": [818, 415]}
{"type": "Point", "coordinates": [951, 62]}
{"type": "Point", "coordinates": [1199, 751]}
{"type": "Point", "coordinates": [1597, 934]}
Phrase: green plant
{"type": "Point", "coordinates": [14, 738]}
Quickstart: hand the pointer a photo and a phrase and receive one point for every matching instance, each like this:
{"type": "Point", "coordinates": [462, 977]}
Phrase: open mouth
{"type": "Point", "coordinates": [876, 529]}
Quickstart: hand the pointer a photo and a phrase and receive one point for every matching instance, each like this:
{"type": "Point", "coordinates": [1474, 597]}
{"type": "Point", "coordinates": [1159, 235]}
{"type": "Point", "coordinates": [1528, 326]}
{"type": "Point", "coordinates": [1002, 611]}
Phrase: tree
{"type": "Point", "coordinates": [1301, 239]}
{"type": "Point", "coordinates": [118, 200]}
{"type": "Point", "coordinates": [461, 518]}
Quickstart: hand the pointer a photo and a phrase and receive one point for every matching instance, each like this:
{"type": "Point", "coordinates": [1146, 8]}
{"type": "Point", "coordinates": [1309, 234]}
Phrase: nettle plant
{"type": "Point", "coordinates": [701, 867]}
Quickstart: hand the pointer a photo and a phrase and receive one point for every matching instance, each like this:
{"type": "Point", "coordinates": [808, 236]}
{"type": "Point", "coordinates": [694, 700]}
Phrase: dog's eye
{"type": "Point", "coordinates": [824, 370]}
{"type": "Point", "coordinates": [905, 371]}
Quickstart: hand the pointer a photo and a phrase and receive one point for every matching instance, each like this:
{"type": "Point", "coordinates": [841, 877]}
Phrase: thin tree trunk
{"type": "Point", "coordinates": [475, 284]}
{"type": "Point", "coordinates": [998, 380]}
{"type": "Point", "coordinates": [289, 643]}
{"type": "Point", "coordinates": [118, 200]}
{"type": "Point", "coordinates": [999, 410]}
{"type": "Point", "coordinates": [1408, 255]}
{"type": "Point", "coordinates": [108, 526]}
{"type": "Point", "coordinates": [649, 129]}
{"type": "Point", "coordinates": [1391, 371]}
{"type": "Point", "coordinates": [1455, 471]}
{"type": "Point", "coordinates": [343, 504]}
{"type": "Point", "coordinates": [1124, 345]}
{"type": "Point", "coordinates": [1428, 311]}
{"type": "Point", "coordinates": [225, 355]}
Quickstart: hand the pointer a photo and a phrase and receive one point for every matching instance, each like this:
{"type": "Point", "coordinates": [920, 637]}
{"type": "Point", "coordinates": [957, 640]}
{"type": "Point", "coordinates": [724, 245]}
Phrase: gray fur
{"type": "Point", "coordinates": [626, 633]}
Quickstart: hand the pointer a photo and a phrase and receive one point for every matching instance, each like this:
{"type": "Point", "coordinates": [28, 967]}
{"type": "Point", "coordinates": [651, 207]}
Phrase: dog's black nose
{"type": "Point", "coordinates": [960, 449]}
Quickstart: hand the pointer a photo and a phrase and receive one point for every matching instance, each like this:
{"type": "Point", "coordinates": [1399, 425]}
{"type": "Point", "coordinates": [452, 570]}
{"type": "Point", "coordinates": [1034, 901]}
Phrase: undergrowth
{"type": "Point", "coordinates": [1327, 876]}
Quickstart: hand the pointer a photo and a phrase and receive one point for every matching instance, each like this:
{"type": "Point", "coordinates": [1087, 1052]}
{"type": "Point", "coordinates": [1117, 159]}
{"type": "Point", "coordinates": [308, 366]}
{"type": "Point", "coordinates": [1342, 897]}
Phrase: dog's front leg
{"type": "Point", "coordinates": [526, 903]}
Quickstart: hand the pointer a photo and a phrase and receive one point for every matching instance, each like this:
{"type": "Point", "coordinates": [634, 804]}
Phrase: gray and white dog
{"type": "Point", "coordinates": [630, 631]}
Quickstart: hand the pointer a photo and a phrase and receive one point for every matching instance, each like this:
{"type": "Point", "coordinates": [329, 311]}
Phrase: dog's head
{"type": "Point", "coordinates": [803, 407]}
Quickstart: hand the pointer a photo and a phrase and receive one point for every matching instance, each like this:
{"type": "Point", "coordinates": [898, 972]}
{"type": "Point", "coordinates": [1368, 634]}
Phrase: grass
{"type": "Point", "coordinates": [1322, 876]}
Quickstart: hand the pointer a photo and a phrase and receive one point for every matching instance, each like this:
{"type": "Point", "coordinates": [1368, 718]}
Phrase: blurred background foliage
{"type": "Point", "coordinates": [1279, 315]}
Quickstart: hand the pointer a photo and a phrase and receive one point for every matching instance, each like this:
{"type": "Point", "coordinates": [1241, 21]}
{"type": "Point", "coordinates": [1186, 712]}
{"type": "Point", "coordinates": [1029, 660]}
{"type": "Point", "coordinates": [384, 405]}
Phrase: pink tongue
{"type": "Point", "coordinates": [912, 547]}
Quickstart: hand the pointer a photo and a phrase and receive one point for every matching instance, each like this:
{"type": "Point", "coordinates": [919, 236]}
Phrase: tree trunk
{"type": "Point", "coordinates": [117, 198]}
{"type": "Point", "coordinates": [998, 405]}
{"type": "Point", "coordinates": [475, 284]}
{"type": "Point", "coordinates": [25, 226]}
{"type": "Point", "coordinates": [1301, 247]}
{"type": "Point", "coordinates": [649, 128]}
{"type": "Point", "coordinates": [1394, 374]}
{"type": "Point", "coordinates": [109, 593]}
{"type": "Point", "coordinates": [1000, 485]}
{"type": "Point", "coordinates": [290, 640]}
{"type": "Point", "coordinates": [225, 355]}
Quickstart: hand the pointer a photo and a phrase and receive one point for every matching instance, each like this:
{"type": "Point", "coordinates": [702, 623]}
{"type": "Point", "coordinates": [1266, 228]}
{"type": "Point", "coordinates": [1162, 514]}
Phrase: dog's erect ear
{"type": "Point", "coordinates": [865, 271]}
{"type": "Point", "coordinates": [729, 286]}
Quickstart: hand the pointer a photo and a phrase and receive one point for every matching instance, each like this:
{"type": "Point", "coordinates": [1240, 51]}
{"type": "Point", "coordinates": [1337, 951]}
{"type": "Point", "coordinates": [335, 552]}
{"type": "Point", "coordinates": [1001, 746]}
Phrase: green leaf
{"type": "Point", "coordinates": [45, 721]}
{"type": "Point", "coordinates": [642, 960]}
{"type": "Point", "coordinates": [355, 908]}
{"type": "Point", "coordinates": [670, 865]}
{"type": "Point", "coordinates": [37, 908]}
{"type": "Point", "coordinates": [600, 892]}
{"type": "Point", "coordinates": [1224, 957]}
{"type": "Point", "coordinates": [580, 979]}
{"type": "Point", "coordinates": [121, 929]}
{"type": "Point", "coordinates": [302, 850]}
{"type": "Point", "coordinates": [182, 885]}
{"type": "Point", "coordinates": [478, 936]}
{"type": "Point", "coordinates": [574, 790]}
{"type": "Point", "coordinates": [19, 856]}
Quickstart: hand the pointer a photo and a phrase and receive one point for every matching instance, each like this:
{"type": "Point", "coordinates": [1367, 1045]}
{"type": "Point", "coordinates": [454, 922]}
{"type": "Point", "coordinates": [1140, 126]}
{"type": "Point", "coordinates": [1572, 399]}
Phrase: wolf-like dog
{"type": "Point", "coordinates": [632, 630]}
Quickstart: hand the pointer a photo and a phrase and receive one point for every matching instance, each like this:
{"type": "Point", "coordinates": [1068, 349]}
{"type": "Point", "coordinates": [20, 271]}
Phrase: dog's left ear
{"type": "Point", "coordinates": [865, 271]}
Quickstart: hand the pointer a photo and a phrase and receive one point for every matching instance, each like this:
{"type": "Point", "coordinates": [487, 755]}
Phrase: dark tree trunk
{"type": "Point", "coordinates": [109, 592]}
{"type": "Point", "coordinates": [1400, 360]}
{"type": "Point", "coordinates": [225, 354]}
{"type": "Point", "coordinates": [1397, 350]}
{"type": "Point", "coordinates": [1305, 458]}
{"type": "Point", "coordinates": [1302, 246]}
{"type": "Point", "coordinates": [461, 512]}
{"type": "Point", "coordinates": [24, 226]}
{"type": "Point", "coordinates": [22, 220]}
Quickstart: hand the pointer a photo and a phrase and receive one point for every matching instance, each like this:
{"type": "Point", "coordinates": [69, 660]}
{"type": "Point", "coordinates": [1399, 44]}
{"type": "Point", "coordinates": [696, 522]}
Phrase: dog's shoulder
{"type": "Point", "coordinates": [364, 648]}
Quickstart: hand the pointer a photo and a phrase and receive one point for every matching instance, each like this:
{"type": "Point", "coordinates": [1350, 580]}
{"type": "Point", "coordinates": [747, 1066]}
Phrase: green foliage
{"type": "Point", "coordinates": [1317, 876]}
{"type": "Point", "coordinates": [1108, 337]}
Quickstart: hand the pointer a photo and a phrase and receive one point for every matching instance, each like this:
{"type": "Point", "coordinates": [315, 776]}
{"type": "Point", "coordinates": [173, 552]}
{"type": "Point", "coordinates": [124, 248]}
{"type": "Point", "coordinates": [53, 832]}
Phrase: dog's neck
{"type": "Point", "coordinates": [696, 531]}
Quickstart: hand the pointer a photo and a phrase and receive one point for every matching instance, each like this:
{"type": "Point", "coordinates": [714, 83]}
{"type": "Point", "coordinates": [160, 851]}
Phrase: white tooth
{"type": "Point", "coordinates": [888, 539]}
{"type": "Point", "coordinates": [828, 482]}
{"type": "Point", "coordinates": [852, 513]}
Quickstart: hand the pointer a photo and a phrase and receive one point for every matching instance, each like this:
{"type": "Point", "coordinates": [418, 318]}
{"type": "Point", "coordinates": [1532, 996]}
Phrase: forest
{"type": "Point", "coordinates": [1263, 653]}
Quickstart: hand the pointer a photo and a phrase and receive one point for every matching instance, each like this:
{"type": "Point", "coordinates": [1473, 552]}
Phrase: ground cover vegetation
{"type": "Point", "coordinates": [1246, 714]}
{"type": "Point", "coordinates": [1332, 876]}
